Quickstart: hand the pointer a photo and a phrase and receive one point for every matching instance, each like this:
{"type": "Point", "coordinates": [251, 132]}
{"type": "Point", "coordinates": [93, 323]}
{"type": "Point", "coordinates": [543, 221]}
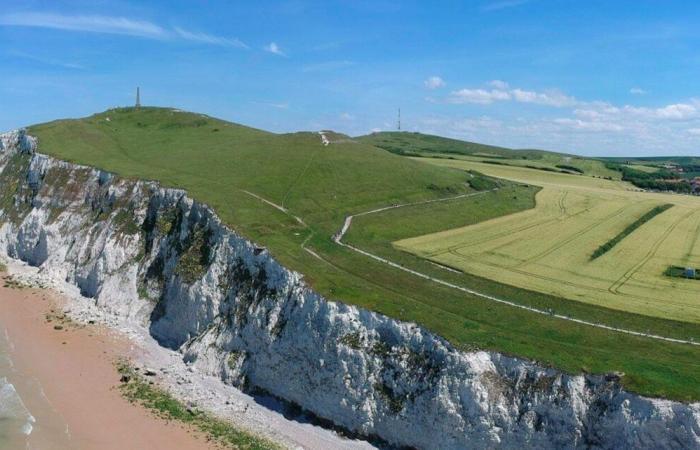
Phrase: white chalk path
{"type": "Point", "coordinates": [324, 139]}
{"type": "Point", "coordinates": [297, 218]}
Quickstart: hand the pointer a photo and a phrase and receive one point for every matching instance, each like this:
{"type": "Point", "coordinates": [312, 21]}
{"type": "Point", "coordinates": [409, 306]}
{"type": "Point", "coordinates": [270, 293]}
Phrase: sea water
{"type": "Point", "coordinates": [28, 420]}
{"type": "Point", "coordinates": [16, 422]}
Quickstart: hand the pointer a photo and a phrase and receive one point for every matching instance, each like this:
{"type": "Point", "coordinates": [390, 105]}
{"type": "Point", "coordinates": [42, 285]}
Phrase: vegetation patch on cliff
{"type": "Point", "coordinates": [195, 256]}
{"type": "Point", "coordinates": [15, 198]}
{"type": "Point", "coordinates": [138, 390]}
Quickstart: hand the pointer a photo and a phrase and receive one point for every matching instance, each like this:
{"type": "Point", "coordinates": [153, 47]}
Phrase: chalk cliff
{"type": "Point", "coordinates": [157, 257]}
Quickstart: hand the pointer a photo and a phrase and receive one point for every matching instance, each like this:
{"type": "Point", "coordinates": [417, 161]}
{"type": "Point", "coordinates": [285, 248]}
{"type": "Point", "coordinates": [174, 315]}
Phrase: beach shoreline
{"type": "Point", "coordinates": [65, 374]}
{"type": "Point", "coordinates": [206, 392]}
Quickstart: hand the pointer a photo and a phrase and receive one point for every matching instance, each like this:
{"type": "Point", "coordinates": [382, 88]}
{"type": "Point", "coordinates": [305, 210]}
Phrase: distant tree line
{"type": "Point", "coordinates": [660, 180]}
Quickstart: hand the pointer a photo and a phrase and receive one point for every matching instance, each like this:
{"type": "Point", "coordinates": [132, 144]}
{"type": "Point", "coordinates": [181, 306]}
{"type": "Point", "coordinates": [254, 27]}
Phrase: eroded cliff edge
{"type": "Point", "coordinates": [155, 256]}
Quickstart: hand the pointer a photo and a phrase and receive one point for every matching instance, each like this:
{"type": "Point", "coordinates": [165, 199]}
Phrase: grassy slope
{"type": "Point", "coordinates": [213, 160]}
{"type": "Point", "coordinates": [422, 144]}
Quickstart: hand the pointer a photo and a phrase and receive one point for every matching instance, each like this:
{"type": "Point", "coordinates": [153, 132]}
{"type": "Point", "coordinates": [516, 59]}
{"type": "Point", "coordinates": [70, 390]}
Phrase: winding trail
{"type": "Point", "coordinates": [338, 237]}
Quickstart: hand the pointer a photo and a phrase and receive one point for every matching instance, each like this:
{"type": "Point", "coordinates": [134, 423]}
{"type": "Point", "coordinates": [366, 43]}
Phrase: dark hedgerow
{"type": "Point", "coordinates": [568, 167]}
{"type": "Point", "coordinates": [655, 211]}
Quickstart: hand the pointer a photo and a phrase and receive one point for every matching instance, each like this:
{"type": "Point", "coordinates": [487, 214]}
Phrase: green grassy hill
{"type": "Point", "coordinates": [199, 152]}
{"type": "Point", "coordinates": [418, 144]}
{"type": "Point", "coordinates": [222, 164]}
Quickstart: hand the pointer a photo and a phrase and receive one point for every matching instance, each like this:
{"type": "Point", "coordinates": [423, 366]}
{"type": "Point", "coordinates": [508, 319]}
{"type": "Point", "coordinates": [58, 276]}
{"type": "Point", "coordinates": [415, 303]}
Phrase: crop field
{"type": "Point", "coordinates": [548, 249]}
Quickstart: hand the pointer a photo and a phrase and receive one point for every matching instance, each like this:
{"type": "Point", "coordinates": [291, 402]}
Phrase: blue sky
{"type": "Point", "coordinates": [591, 77]}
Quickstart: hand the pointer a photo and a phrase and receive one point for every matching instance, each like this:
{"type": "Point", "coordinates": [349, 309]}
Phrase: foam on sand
{"type": "Point", "coordinates": [14, 416]}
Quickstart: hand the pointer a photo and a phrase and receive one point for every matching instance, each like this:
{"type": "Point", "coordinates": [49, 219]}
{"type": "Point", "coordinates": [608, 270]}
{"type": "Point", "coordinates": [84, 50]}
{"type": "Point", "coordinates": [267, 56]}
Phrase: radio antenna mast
{"type": "Point", "coordinates": [399, 121]}
{"type": "Point", "coordinates": [138, 97]}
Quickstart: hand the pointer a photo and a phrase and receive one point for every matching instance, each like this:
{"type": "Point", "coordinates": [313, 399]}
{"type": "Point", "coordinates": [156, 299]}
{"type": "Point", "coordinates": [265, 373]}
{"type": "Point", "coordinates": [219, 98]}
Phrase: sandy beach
{"type": "Point", "coordinates": [66, 377]}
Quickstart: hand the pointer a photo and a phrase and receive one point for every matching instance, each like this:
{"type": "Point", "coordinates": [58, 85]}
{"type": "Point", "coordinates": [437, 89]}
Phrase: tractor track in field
{"type": "Point", "coordinates": [693, 241]}
{"type": "Point", "coordinates": [571, 238]}
{"type": "Point", "coordinates": [454, 249]}
{"type": "Point", "coordinates": [337, 238]}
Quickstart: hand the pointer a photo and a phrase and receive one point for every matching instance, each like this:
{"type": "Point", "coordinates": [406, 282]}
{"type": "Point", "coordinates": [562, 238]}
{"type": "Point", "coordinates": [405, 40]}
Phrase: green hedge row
{"type": "Point", "coordinates": [655, 211]}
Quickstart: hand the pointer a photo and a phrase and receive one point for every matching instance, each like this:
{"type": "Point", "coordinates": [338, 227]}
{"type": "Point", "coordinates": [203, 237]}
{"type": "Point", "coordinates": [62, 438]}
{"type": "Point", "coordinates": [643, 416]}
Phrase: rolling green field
{"type": "Point", "coordinates": [217, 162]}
{"type": "Point", "coordinates": [549, 248]}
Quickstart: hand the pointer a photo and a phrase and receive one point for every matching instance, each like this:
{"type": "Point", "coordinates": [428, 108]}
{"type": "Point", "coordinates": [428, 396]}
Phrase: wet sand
{"type": "Point", "coordinates": [80, 407]}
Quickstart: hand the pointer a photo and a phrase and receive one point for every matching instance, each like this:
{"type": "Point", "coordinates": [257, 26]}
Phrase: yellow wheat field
{"type": "Point", "coordinates": [548, 248]}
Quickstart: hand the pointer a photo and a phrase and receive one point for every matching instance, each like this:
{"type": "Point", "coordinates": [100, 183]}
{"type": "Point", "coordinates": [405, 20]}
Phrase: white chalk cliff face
{"type": "Point", "coordinates": [156, 256]}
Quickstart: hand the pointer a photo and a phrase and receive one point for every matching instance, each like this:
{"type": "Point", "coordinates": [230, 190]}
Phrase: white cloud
{"type": "Point", "coordinates": [480, 96]}
{"type": "Point", "coordinates": [637, 91]}
{"type": "Point", "coordinates": [549, 98]}
{"type": "Point", "coordinates": [502, 92]}
{"type": "Point", "coordinates": [578, 124]}
{"type": "Point", "coordinates": [677, 111]}
{"type": "Point", "coordinates": [498, 84]}
{"type": "Point", "coordinates": [205, 38]}
{"type": "Point", "coordinates": [347, 116]}
{"type": "Point", "coordinates": [434, 82]}
{"type": "Point", "coordinates": [274, 49]}
{"type": "Point", "coordinates": [591, 128]}
{"type": "Point", "coordinates": [93, 24]}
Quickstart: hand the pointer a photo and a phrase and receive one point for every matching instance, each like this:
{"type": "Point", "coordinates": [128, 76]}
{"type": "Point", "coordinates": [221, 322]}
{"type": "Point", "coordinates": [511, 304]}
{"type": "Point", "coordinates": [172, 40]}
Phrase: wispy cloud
{"type": "Point", "coordinates": [113, 25]}
{"type": "Point", "coordinates": [46, 61]}
{"type": "Point", "coordinates": [273, 48]}
{"type": "Point", "coordinates": [326, 66]}
{"type": "Point", "coordinates": [504, 4]}
{"type": "Point", "coordinates": [637, 91]}
{"type": "Point", "coordinates": [205, 38]}
{"type": "Point", "coordinates": [434, 82]}
{"type": "Point", "coordinates": [92, 24]}
{"type": "Point", "coordinates": [277, 105]}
